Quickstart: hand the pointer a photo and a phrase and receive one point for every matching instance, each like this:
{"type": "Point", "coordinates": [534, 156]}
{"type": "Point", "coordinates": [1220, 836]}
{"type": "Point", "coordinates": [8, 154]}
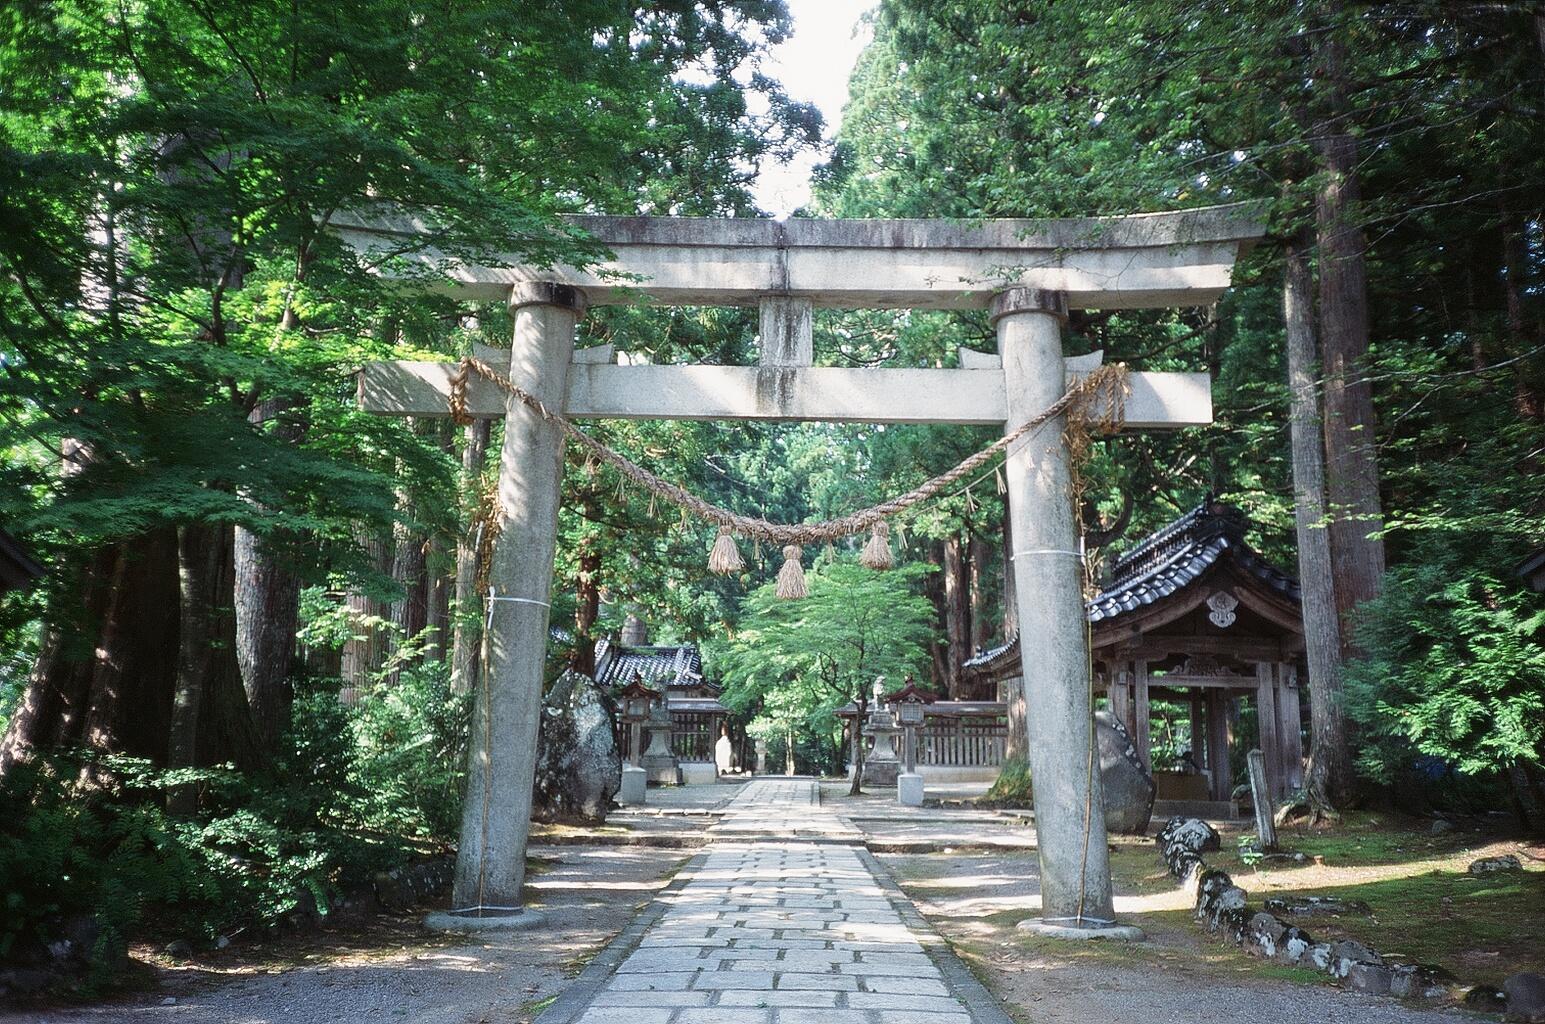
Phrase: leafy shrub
{"type": "Point", "coordinates": [411, 749]}
{"type": "Point", "coordinates": [349, 792]}
{"type": "Point", "coordinates": [1452, 688]}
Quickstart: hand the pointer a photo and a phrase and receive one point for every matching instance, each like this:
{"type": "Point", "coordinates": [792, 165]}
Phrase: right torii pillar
{"type": "Point", "coordinates": [1048, 577]}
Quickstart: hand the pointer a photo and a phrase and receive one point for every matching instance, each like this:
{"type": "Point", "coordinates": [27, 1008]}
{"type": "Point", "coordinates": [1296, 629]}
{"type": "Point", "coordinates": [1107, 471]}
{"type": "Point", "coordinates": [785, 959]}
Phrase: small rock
{"type": "Point", "coordinates": [1494, 865]}
{"type": "Point", "coordinates": [1440, 826]}
{"type": "Point", "coordinates": [1486, 999]}
{"type": "Point", "coordinates": [221, 942]}
{"type": "Point", "coordinates": [1263, 935]}
{"type": "Point", "coordinates": [1420, 981]}
{"type": "Point", "coordinates": [1346, 954]}
{"type": "Point", "coordinates": [1192, 834]}
{"type": "Point", "coordinates": [1525, 995]}
{"type": "Point", "coordinates": [1372, 979]}
{"type": "Point", "coordinates": [1294, 945]}
{"type": "Point", "coordinates": [1317, 906]}
{"type": "Point", "coordinates": [169, 1001]}
{"type": "Point", "coordinates": [1319, 955]}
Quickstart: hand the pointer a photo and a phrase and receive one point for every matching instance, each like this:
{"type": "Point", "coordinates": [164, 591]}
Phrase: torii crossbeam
{"type": "Point", "coordinates": [1027, 273]}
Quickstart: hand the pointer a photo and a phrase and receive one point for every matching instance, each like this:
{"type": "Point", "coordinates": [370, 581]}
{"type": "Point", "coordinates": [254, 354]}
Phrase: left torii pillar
{"type": "Point", "coordinates": [496, 820]}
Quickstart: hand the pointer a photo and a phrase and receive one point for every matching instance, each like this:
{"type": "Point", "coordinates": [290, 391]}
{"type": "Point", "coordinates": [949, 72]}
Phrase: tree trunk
{"type": "Point", "coordinates": [1329, 779]}
{"type": "Point", "coordinates": [267, 596]}
{"type": "Point", "coordinates": [227, 731]}
{"type": "Point", "coordinates": [198, 572]}
{"type": "Point", "coordinates": [1351, 462]}
{"type": "Point", "coordinates": [466, 611]}
{"type": "Point", "coordinates": [366, 648]}
{"type": "Point", "coordinates": [437, 597]}
{"type": "Point", "coordinates": [55, 697]}
{"type": "Point", "coordinates": [1515, 260]}
{"type": "Point", "coordinates": [128, 701]}
{"type": "Point", "coordinates": [408, 613]}
{"type": "Point", "coordinates": [858, 746]}
{"type": "Point", "coordinates": [267, 610]}
{"type": "Point", "coordinates": [957, 615]}
{"type": "Point", "coordinates": [587, 607]}
{"type": "Point", "coordinates": [980, 552]}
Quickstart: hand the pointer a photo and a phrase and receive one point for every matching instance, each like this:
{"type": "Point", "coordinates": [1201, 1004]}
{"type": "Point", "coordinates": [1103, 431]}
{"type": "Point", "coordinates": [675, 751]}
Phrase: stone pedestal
{"type": "Point", "coordinates": [909, 789]}
{"type": "Point", "coordinates": [698, 773]}
{"type": "Point", "coordinates": [634, 785]}
{"type": "Point", "coordinates": [881, 774]}
{"type": "Point", "coordinates": [658, 760]}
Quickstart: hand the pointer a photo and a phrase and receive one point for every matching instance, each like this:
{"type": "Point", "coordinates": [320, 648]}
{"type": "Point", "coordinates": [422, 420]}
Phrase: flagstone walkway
{"type": "Point", "coordinates": [764, 929]}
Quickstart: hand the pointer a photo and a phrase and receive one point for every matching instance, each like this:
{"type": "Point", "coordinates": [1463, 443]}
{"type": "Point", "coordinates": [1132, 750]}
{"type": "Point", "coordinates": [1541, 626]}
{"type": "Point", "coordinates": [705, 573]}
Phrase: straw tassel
{"type": "Point", "coordinates": [791, 578]}
{"type": "Point", "coordinates": [877, 552]}
{"type": "Point", "coordinates": [724, 559]}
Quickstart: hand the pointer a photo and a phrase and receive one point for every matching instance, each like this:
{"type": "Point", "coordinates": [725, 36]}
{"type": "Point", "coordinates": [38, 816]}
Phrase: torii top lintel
{"type": "Point", "coordinates": [1183, 258]}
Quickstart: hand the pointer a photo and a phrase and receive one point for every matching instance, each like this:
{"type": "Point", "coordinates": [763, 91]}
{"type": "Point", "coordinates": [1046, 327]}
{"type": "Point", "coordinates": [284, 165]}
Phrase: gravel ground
{"type": "Point", "coordinates": [1178, 976]}
{"type": "Point", "coordinates": [396, 971]}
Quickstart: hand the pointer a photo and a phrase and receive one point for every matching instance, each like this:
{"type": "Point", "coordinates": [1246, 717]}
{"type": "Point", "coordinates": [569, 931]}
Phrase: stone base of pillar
{"type": "Point", "coordinates": [909, 789]}
{"type": "Point", "coordinates": [699, 773]}
{"type": "Point", "coordinates": [881, 774]}
{"type": "Point", "coordinates": [662, 771]}
{"type": "Point", "coordinates": [634, 785]}
{"type": "Point", "coordinates": [515, 920]}
{"type": "Point", "coordinates": [1083, 932]}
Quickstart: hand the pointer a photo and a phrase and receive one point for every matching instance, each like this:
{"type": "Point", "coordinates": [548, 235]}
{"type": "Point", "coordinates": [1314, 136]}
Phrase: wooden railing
{"type": "Point", "coordinates": [966, 742]}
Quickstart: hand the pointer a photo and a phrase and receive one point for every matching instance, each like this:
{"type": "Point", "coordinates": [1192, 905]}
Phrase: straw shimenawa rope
{"type": "Point", "coordinates": [1106, 385]}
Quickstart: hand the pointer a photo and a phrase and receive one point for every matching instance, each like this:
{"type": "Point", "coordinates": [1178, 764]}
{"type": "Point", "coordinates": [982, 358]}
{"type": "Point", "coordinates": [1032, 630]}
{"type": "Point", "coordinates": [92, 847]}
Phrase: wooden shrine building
{"type": "Point", "coordinates": [676, 670]}
{"type": "Point", "coordinates": [1194, 616]}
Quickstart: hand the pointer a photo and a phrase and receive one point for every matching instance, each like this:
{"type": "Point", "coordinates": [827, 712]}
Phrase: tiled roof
{"type": "Point", "coordinates": [1167, 562]}
{"type": "Point", "coordinates": [659, 665]}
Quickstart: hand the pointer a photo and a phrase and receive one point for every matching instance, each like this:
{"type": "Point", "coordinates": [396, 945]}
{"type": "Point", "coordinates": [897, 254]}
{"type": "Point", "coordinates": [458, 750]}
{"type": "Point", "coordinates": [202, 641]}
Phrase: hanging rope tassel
{"type": "Point", "coordinates": [724, 559]}
{"type": "Point", "coordinates": [791, 578]}
{"type": "Point", "coordinates": [877, 552]}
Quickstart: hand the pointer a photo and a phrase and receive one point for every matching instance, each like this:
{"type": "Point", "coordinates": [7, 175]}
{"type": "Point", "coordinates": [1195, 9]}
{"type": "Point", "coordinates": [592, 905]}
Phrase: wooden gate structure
{"type": "Point", "coordinates": [1027, 273]}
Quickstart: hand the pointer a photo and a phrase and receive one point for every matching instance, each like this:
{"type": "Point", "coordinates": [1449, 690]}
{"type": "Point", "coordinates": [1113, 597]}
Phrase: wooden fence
{"type": "Point", "coordinates": [973, 742]}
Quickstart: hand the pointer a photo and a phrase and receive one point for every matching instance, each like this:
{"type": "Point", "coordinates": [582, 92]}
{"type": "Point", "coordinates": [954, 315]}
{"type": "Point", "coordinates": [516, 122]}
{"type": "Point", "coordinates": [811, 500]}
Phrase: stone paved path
{"type": "Point", "coordinates": [761, 929]}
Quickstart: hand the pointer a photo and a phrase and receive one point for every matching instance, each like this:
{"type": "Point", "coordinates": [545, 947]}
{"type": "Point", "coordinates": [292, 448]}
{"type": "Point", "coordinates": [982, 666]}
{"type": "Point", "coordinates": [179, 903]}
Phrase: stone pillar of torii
{"type": "Point", "coordinates": [1027, 273]}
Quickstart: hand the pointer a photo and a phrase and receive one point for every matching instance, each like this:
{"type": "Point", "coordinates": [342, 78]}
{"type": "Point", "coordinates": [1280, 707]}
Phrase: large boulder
{"type": "Point", "coordinates": [578, 765]}
{"type": "Point", "coordinates": [1525, 998]}
{"type": "Point", "coordinates": [1128, 788]}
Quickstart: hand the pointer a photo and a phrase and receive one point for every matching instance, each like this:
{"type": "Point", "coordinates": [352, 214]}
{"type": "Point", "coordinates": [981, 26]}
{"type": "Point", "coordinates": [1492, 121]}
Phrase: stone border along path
{"type": "Point", "coordinates": [761, 928]}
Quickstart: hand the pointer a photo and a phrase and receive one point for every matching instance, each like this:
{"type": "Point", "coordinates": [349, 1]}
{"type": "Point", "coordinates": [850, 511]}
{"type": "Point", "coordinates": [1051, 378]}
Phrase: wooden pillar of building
{"type": "Point", "coordinates": [1266, 721]}
{"type": "Point", "coordinates": [1218, 740]}
{"type": "Point", "coordinates": [1014, 703]}
{"type": "Point", "coordinates": [1290, 726]}
{"type": "Point", "coordinates": [1118, 693]}
{"type": "Point", "coordinates": [1140, 714]}
{"type": "Point", "coordinates": [1198, 726]}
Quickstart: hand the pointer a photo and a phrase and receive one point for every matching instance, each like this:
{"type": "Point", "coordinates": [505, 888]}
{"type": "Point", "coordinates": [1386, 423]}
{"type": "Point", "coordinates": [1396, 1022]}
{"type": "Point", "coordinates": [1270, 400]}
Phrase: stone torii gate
{"type": "Point", "coordinates": [1027, 273]}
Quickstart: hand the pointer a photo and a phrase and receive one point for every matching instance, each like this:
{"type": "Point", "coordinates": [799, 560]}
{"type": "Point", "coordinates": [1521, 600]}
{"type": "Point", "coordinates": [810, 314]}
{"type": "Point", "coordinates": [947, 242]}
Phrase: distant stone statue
{"type": "Point", "coordinates": [724, 752]}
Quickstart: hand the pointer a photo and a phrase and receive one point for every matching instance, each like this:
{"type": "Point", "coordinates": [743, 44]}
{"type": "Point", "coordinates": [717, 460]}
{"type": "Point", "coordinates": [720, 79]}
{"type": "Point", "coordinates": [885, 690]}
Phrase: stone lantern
{"type": "Point", "coordinates": [882, 766]}
{"type": "Point", "coordinates": [659, 761]}
{"type": "Point", "coordinates": [911, 711]}
{"type": "Point", "coordinates": [637, 702]}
